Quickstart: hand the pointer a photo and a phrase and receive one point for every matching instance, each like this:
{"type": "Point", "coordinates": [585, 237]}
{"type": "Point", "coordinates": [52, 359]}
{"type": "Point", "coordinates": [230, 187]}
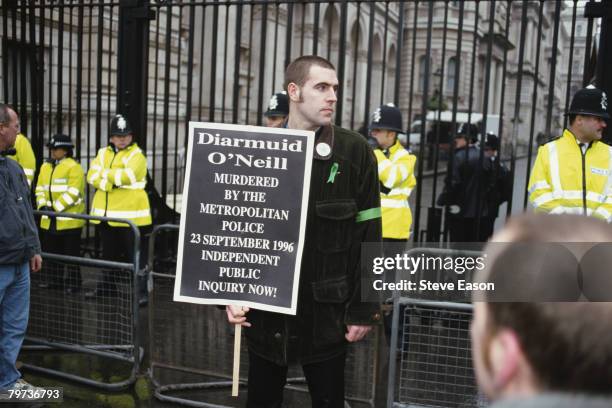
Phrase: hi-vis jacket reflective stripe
{"type": "Point", "coordinates": [120, 180]}
{"type": "Point", "coordinates": [25, 157]}
{"type": "Point", "coordinates": [396, 175]}
{"type": "Point", "coordinates": [62, 187]}
{"type": "Point", "coordinates": [564, 180]}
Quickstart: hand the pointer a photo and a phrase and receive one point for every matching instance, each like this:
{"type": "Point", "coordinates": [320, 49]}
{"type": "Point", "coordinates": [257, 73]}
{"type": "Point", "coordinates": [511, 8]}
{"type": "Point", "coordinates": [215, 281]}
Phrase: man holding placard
{"type": "Point", "coordinates": [343, 212]}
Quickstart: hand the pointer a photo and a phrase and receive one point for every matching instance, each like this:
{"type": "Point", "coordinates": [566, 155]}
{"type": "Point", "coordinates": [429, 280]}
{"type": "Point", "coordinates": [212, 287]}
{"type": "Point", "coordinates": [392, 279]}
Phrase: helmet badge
{"type": "Point", "coordinates": [376, 116]}
{"type": "Point", "coordinates": [273, 102]}
{"type": "Point", "coordinates": [604, 101]}
{"type": "Point", "coordinates": [121, 123]}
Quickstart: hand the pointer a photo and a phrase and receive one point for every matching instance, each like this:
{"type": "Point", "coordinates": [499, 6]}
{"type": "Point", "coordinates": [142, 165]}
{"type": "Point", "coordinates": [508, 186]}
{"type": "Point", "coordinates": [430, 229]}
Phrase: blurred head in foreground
{"type": "Point", "coordinates": [533, 348]}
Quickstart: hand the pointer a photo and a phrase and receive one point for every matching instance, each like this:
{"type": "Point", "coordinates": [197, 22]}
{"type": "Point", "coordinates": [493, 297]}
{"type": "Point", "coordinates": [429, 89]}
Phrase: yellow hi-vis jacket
{"type": "Point", "coordinates": [120, 179]}
{"type": "Point", "coordinates": [25, 157]}
{"type": "Point", "coordinates": [564, 180]}
{"type": "Point", "coordinates": [396, 175]}
{"type": "Point", "coordinates": [62, 187]}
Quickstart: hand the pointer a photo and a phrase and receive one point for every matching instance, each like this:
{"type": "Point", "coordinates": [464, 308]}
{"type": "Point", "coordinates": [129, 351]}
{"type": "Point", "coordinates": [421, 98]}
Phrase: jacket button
{"type": "Point", "coordinates": [376, 316]}
{"type": "Point", "coordinates": [278, 336]}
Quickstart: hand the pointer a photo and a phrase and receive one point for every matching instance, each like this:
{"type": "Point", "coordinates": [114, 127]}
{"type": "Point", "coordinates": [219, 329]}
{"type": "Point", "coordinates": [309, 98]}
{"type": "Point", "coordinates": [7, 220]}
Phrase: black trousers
{"type": "Point", "coordinates": [67, 242]}
{"type": "Point", "coordinates": [390, 276]}
{"type": "Point", "coordinates": [118, 245]}
{"type": "Point", "coordinates": [325, 383]}
{"type": "Point", "coordinates": [463, 229]}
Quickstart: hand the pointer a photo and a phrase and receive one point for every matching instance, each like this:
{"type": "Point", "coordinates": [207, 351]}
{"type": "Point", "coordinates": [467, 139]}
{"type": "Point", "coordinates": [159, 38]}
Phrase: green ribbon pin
{"type": "Point", "coordinates": [332, 173]}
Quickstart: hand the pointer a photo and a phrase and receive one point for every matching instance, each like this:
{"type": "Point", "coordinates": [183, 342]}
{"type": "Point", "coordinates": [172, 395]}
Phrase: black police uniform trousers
{"type": "Point", "coordinates": [390, 276]}
{"type": "Point", "coordinates": [464, 229]}
{"type": "Point", "coordinates": [64, 242]}
{"type": "Point", "coordinates": [118, 245]}
{"type": "Point", "coordinates": [266, 382]}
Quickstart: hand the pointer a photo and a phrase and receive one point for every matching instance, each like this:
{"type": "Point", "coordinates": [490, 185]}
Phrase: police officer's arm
{"type": "Point", "coordinates": [71, 196]}
{"type": "Point", "coordinates": [97, 175]}
{"type": "Point", "coordinates": [540, 186]}
{"type": "Point", "coordinates": [42, 192]}
{"type": "Point", "coordinates": [452, 183]}
{"type": "Point", "coordinates": [604, 210]}
{"type": "Point", "coordinates": [368, 229]}
{"type": "Point", "coordinates": [26, 158]}
{"type": "Point", "coordinates": [393, 173]}
{"type": "Point", "coordinates": [135, 169]}
{"type": "Point", "coordinates": [505, 183]}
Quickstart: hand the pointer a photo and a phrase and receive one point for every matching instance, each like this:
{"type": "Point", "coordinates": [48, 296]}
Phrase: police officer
{"type": "Point", "coordinates": [118, 173]}
{"type": "Point", "coordinates": [572, 173]}
{"type": "Point", "coordinates": [24, 155]}
{"type": "Point", "coordinates": [498, 187]}
{"type": "Point", "coordinates": [395, 172]}
{"type": "Point", "coordinates": [465, 188]}
{"type": "Point", "coordinates": [61, 188]}
{"type": "Point", "coordinates": [397, 180]}
{"type": "Point", "coordinates": [278, 110]}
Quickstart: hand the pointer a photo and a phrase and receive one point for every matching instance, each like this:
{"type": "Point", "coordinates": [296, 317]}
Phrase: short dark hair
{"type": "Point", "coordinates": [571, 117]}
{"type": "Point", "coordinates": [567, 344]}
{"type": "Point", "coordinates": [297, 72]}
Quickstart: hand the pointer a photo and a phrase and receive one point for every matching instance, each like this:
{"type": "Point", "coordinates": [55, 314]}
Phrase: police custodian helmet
{"type": "Point", "coordinates": [492, 141]}
{"type": "Point", "coordinates": [469, 131]}
{"type": "Point", "coordinates": [590, 101]}
{"type": "Point", "coordinates": [60, 140]}
{"type": "Point", "coordinates": [278, 105]}
{"type": "Point", "coordinates": [387, 117]}
{"type": "Point", "coordinates": [119, 126]}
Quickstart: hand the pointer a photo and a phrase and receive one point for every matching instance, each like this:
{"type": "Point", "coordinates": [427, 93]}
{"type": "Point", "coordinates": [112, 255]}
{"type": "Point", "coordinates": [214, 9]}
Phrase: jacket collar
{"type": "Point", "coordinates": [324, 141]}
{"type": "Point", "coordinates": [569, 136]}
{"type": "Point", "coordinates": [60, 161]}
{"type": "Point", "coordinates": [112, 148]}
{"type": "Point", "coordinates": [396, 146]}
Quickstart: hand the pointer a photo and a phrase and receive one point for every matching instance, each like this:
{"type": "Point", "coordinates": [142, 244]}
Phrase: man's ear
{"type": "Point", "coordinates": [507, 360]}
{"type": "Point", "coordinates": [293, 91]}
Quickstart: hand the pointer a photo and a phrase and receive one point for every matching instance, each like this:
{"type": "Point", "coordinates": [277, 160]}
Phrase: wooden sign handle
{"type": "Point", "coordinates": [236, 372]}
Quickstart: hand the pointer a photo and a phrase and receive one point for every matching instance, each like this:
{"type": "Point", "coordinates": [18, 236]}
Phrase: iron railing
{"type": "Point", "coordinates": [513, 64]}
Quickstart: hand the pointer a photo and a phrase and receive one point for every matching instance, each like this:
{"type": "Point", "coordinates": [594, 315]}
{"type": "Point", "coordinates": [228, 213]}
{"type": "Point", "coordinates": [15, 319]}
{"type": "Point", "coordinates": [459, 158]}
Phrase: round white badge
{"type": "Point", "coordinates": [323, 149]}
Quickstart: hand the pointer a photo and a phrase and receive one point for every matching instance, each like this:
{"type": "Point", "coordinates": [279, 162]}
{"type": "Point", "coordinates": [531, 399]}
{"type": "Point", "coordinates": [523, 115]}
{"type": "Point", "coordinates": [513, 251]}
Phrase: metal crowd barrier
{"type": "Point", "coordinates": [192, 345]}
{"type": "Point", "coordinates": [430, 361]}
{"type": "Point", "coordinates": [105, 325]}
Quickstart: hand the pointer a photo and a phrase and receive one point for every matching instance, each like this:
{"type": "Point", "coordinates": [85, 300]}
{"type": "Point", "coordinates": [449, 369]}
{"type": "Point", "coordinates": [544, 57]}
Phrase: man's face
{"type": "Point", "coordinates": [480, 350]}
{"type": "Point", "coordinates": [121, 142]}
{"type": "Point", "coordinates": [384, 137]}
{"type": "Point", "coordinates": [460, 142]}
{"type": "Point", "coordinates": [9, 131]}
{"type": "Point", "coordinates": [590, 127]}
{"type": "Point", "coordinates": [315, 102]}
{"type": "Point", "coordinates": [275, 121]}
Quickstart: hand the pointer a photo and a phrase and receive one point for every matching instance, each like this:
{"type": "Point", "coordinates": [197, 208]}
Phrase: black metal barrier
{"type": "Point", "coordinates": [432, 338]}
{"type": "Point", "coordinates": [104, 324]}
{"type": "Point", "coordinates": [192, 345]}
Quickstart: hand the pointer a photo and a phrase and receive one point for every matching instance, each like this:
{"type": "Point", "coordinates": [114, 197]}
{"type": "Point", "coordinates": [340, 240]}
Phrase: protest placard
{"type": "Point", "coordinates": [243, 220]}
